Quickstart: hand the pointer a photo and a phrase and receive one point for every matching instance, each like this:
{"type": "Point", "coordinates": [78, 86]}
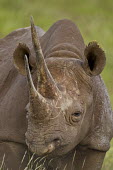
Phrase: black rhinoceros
{"type": "Point", "coordinates": [53, 101]}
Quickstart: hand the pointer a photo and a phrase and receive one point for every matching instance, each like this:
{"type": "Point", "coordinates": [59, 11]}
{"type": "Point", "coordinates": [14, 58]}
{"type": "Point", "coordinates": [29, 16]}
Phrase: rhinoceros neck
{"type": "Point", "coordinates": [63, 38]}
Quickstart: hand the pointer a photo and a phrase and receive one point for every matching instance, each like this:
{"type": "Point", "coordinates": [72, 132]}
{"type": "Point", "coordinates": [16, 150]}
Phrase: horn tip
{"type": "Point", "coordinates": [31, 20]}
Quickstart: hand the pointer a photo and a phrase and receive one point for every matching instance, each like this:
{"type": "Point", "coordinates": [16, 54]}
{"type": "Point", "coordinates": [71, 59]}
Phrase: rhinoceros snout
{"type": "Point", "coordinates": [42, 149]}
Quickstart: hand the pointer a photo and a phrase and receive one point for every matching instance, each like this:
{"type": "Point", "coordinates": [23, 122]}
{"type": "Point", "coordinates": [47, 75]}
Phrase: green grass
{"type": "Point", "coordinates": [93, 17]}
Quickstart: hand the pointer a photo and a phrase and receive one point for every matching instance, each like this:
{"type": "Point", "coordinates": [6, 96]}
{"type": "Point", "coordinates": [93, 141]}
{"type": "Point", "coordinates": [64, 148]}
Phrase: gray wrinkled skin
{"type": "Point", "coordinates": [74, 128]}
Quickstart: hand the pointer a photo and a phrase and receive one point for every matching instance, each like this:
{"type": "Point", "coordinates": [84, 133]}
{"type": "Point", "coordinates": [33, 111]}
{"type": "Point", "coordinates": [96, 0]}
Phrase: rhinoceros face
{"type": "Point", "coordinates": [60, 105]}
{"type": "Point", "coordinates": [59, 124]}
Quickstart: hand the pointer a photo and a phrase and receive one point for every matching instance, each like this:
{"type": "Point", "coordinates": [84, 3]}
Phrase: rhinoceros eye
{"type": "Point", "coordinates": [75, 117]}
{"type": "Point", "coordinates": [77, 114]}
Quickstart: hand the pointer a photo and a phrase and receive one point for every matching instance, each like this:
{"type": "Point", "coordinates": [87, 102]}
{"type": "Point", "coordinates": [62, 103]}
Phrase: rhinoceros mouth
{"type": "Point", "coordinates": [51, 149]}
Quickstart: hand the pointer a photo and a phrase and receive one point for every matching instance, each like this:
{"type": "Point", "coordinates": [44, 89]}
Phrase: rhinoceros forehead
{"type": "Point", "coordinates": [70, 76]}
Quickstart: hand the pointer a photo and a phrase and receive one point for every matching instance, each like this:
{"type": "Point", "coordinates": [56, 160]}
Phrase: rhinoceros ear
{"type": "Point", "coordinates": [18, 57]}
{"type": "Point", "coordinates": [95, 59]}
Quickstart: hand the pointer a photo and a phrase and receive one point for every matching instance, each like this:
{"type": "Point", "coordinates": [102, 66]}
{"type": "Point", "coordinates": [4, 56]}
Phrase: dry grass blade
{"type": "Point", "coordinates": [73, 158]}
{"type": "Point", "coordinates": [2, 164]}
{"type": "Point", "coordinates": [29, 163]}
{"type": "Point", "coordinates": [65, 167]}
{"type": "Point", "coordinates": [84, 162]}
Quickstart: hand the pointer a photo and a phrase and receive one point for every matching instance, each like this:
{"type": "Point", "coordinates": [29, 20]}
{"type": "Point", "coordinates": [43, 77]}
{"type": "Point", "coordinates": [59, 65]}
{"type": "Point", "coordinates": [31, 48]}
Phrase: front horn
{"type": "Point", "coordinates": [45, 82]}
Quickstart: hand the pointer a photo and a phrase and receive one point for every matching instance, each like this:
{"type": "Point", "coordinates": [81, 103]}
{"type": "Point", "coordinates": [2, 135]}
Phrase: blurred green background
{"type": "Point", "coordinates": [93, 17]}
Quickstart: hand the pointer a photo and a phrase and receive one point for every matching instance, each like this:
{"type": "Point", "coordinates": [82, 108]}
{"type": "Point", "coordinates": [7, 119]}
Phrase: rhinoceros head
{"type": "Point", "coordinates": [60, 107]}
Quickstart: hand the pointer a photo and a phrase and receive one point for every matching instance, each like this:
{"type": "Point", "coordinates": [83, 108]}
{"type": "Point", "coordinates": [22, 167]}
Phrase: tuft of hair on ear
{"type": "Point", "coordinates": [95, 59]}
{"type": "Point", "coordinates": [18, 57]}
